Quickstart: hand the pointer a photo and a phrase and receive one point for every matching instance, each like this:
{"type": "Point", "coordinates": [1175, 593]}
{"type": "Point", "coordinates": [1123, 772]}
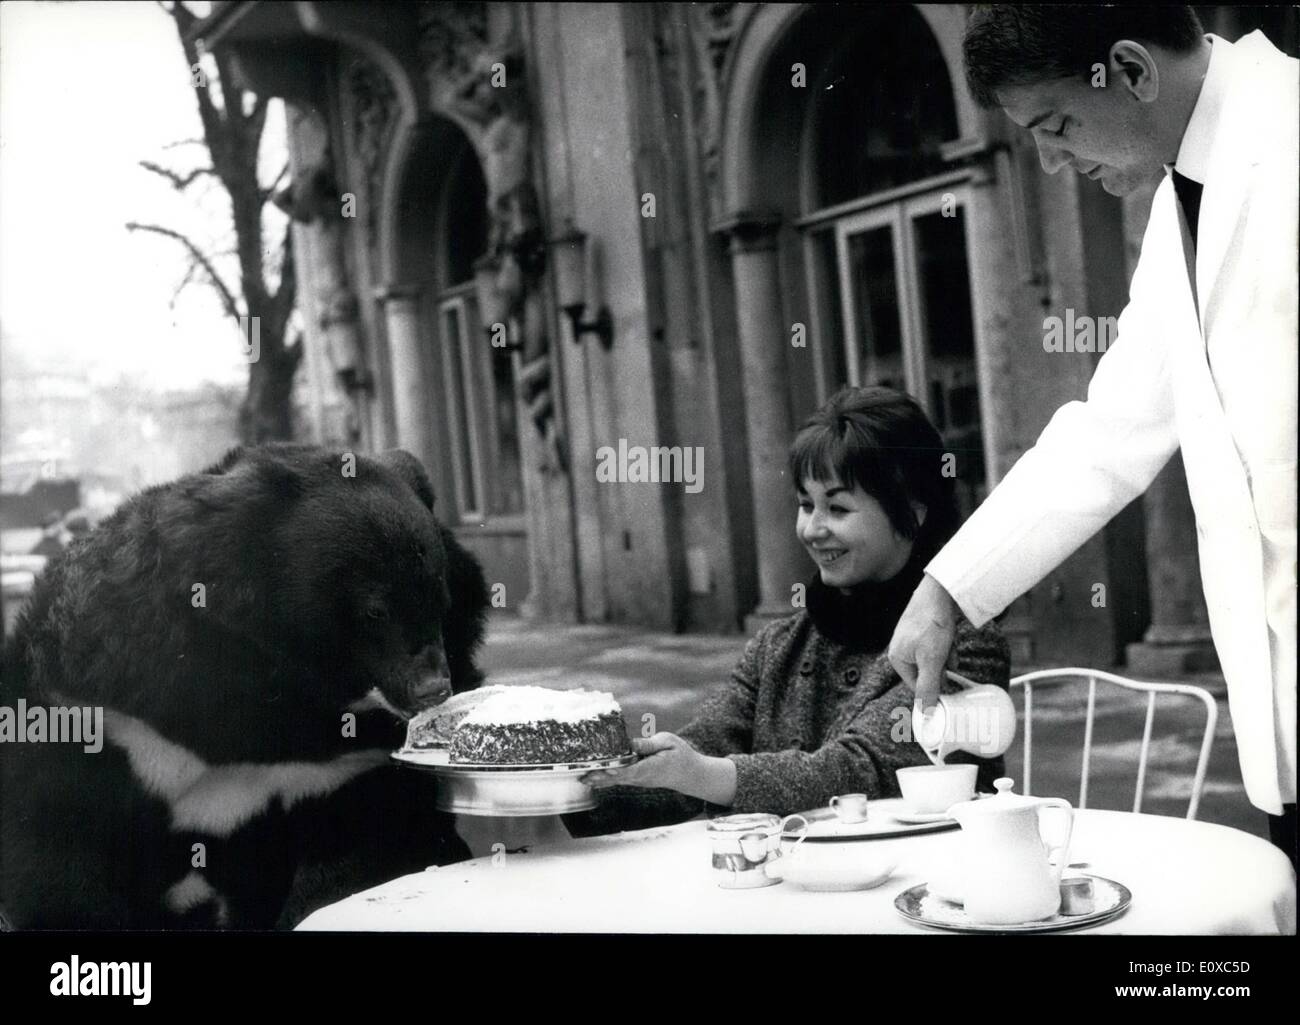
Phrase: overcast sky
{"type": "Point", "coordinates": [86, 91]}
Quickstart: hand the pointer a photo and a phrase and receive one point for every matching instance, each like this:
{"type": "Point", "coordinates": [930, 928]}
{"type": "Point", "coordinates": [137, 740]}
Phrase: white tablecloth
{"type": "Point", "coordinates": [1186, 878]}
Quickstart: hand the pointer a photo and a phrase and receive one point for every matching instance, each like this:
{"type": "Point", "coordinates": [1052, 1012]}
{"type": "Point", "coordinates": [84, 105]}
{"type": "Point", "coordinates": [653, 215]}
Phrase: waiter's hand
{"type": "Point", "coordinates": [922, 641]}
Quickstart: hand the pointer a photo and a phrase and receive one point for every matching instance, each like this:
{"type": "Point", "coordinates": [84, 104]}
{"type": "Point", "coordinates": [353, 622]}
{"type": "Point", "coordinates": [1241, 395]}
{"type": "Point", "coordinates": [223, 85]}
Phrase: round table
{"type": "Point", "coordinates": [1186, 878]}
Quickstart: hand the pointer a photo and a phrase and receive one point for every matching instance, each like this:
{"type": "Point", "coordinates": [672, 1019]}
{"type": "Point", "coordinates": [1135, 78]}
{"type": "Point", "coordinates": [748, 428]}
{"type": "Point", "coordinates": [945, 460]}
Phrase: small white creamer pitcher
{"type": "Point", "coordinates": [979, 719]}
{"type": "Point", "coordinates": [1010, 874]}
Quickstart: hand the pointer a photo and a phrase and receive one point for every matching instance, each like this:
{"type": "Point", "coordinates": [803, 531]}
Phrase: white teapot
{"type": "Point", "coordinates": [1009, 874]}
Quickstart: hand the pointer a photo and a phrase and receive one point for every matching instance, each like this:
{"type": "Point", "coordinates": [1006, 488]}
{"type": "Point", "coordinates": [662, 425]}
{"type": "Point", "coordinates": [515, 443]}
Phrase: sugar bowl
{"type": "Point", "coordinates": [744, 846]}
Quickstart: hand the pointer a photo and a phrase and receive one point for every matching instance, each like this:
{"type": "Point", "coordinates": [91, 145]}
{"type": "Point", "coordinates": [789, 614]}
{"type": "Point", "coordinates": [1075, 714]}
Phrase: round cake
{"type": "Point", "coordinates": [433, 728]}
{"type": "Point", "coordinates": [538, 726]}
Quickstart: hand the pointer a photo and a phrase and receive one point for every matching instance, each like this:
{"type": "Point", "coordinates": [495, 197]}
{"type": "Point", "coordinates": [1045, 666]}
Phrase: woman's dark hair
{"type": "Point", "coordinates": [882, 441]}
{"type": "Point", "coordinates": [1023, 44]}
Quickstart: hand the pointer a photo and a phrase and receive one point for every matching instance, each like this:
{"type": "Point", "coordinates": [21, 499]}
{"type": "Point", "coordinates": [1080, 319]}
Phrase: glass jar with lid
{"type": "Point", "coordinates": [743, 847]}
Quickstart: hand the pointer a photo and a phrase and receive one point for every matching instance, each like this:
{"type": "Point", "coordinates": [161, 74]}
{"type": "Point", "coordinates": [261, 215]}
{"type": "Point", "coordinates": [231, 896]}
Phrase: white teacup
{"type": "Point", "coordinates": [850, 807]}
{"type": "Point", "coordinates": [933, 789]}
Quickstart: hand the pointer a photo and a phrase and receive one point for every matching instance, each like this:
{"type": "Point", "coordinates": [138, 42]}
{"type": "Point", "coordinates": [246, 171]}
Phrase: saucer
{"type": "Point", "coordinates": [916, 818]}
{"type": "Point", "coordinates": [924, 908]}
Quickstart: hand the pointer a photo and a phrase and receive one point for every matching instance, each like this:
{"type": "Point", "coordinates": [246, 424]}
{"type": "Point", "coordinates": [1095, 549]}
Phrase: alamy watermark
{"type": "Point", "coordinates": [975, 729]}
{"type": "Point", "coordinates": [77, 978]}
{"type": "Point", "coordinates": [659, 464]}
{"type": "Point", "coordinates": [1079, 333]}
{"type": "Point", "coordinates": [57, 724]}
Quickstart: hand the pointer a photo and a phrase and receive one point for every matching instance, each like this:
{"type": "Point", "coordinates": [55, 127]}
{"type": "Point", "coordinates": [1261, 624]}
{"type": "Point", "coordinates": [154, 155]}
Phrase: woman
{"type": "Point", "coordinates": [814, 708]}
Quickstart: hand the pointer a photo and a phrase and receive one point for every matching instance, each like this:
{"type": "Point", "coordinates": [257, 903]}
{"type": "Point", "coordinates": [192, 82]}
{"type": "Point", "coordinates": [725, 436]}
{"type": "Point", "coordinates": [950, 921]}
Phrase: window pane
{"type": "Point", "coordinates": [949, 338]}
{"type": "Point", "coordinates": [466, 219]}
{"type": "Point", "coordinates": [875, 308]}
{"type": "Point", "coordinates": [829, 310]}
{"type": "Point", "coordinates": [452, 340]}
{"type": "Point", "coordinates": [507, 472]}
{"type": "Point", "coordinates": [886, 107]}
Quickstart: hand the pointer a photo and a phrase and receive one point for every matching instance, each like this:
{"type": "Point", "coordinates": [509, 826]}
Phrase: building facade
{"type": "Point", "coordinates": [553, 249]}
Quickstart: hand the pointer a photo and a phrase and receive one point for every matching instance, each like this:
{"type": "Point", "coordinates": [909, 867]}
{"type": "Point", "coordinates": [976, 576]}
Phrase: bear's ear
{"type": "Point", "coordinates": [247, 476]}
{"type": "Point", "coordinates": [227, 461]}
{"type": "Point", "coordinates": [409, 469]}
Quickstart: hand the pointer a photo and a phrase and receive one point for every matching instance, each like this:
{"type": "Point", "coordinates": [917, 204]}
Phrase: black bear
{"type": "Point", "coordinates": [247, 634]}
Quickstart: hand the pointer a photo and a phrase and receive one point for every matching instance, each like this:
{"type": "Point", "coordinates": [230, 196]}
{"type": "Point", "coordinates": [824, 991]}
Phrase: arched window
{"type": "Point", "coordinates": [466, 218]}
{"type": "Point", "coordinates": [885, 225]}
{"type": "Point", "coordinates": [478, 380]}
{"type": "Point", "coordinates": [882, 107]}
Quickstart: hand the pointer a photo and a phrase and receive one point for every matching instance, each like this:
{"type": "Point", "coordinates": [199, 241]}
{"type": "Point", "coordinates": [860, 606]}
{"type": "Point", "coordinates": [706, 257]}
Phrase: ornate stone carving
{"type": "Point", "coordinates": [493, 99]}
{"type": "Point", "coordinates": [451, 36]}
{"type": "Point", "coordinates": [341, 321]}
{"type": "Point", "coordinates": [712, 29]}
{"type": "Point", "coordinates": [311, 196]}
{"type": "Point", "coordinates": [312, 200]}
{"type": "Point", "coordinates": [483, 87]}
{"type": "Point", "coordinates": [719, 22]}
{"type": "Point", "coordinates": [374, 104]}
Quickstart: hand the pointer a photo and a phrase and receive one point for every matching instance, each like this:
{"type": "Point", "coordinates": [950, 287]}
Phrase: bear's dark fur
{"type": "Point", "coordinates": [226, 623]}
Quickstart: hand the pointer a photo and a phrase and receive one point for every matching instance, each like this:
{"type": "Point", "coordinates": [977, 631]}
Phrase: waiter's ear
{"type": "Point", "coordinates": [1133, 66]}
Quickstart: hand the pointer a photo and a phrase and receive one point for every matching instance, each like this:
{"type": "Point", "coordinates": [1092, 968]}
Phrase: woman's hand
{"type": "Point", "coordinates": [669, 761]}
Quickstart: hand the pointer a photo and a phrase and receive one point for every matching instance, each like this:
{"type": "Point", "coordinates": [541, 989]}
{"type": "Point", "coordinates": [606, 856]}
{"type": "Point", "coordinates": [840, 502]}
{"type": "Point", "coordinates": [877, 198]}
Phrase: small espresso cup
{"type": "Point", "coordinates": [850, 807]}
{"type": "Point", "coordinates": [933, 789]}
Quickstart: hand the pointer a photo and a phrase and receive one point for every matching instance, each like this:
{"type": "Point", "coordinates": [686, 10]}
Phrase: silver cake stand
{"type": "Point", "coordinates": [509, 791]}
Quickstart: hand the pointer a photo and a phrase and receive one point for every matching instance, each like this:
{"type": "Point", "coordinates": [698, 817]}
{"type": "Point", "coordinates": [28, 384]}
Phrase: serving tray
{"type": "Point", "coordinates": [918, 905]}
{"type": "Point", "coordinates": [509, 791]}
{"type": "Point", "coordinates": [824, 826]}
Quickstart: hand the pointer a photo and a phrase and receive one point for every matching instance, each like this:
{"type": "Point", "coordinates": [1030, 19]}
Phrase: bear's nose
{"type": "Point", "coordinates": [432, 688]}
{"type": "Point", "coordinates": [433, 685]}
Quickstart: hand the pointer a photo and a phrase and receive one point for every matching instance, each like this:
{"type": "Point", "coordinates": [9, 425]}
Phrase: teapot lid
{"type": "Point", "coordinates": [993, 804]}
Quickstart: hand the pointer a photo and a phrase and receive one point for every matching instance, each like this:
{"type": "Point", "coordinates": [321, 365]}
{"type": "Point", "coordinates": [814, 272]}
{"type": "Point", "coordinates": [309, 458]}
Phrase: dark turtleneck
{"type": "Point", "coordinates": [864, 617]}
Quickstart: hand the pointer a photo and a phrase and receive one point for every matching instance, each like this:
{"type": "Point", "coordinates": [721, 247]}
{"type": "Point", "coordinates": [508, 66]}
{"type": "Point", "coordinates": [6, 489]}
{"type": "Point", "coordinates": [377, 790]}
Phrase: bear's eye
{"type": "Point", "coordinates": [376, 613]}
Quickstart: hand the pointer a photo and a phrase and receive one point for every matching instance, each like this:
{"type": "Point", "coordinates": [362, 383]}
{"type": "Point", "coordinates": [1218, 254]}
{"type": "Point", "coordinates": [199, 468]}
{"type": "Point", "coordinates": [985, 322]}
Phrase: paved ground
{"type": "Point", "coordinates": [665, 675]}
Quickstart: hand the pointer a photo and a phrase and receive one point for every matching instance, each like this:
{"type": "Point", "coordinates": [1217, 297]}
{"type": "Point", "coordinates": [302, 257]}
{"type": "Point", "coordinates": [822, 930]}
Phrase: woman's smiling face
{"type": "Point", "coordinates": [848, 534]}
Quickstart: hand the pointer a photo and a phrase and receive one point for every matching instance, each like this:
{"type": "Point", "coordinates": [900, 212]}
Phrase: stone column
{"type": "Point", "coordinates": [764, 337]}
{"type": "Point", "coordinates": [1178, 639]}
{"type": "Point", "coordinates": [410, 387]}
{"type": "Point", "coordinates": [333, 343]}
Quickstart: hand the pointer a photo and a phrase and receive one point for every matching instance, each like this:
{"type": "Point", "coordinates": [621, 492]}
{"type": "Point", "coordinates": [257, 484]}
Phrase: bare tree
{"type": "Point", "coordinates": [233, 120]}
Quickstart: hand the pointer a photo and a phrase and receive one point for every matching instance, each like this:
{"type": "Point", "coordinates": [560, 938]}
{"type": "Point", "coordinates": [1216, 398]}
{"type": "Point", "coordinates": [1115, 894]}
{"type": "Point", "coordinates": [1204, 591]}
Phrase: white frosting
{"type": "Point", "coordinates": [455, 703]}
{"type": "Point", "coordinates": [517, 705]}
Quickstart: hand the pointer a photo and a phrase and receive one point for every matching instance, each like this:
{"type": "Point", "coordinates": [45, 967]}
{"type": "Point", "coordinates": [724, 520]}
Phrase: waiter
{"type": "Point", "coordinates": [1205, 357]}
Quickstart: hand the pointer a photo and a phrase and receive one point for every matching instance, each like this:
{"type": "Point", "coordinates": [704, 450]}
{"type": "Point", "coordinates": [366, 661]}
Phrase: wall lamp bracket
{"type": "Point", "coordinates": [574, 269]}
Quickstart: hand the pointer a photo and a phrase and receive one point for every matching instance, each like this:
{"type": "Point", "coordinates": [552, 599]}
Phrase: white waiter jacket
{"type": "Point", "coordinates": [1222, 387]}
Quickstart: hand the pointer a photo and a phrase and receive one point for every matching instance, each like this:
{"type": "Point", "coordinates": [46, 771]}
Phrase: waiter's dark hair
{"type": "Point", "coordinates": [1023, 44]}
{"type": "Point", "coordinates": [882, 441]}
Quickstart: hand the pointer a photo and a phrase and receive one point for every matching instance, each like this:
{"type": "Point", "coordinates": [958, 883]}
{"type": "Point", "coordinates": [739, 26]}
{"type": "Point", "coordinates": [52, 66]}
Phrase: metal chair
{"type": "Point", "coordinates": [1152, 689]}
